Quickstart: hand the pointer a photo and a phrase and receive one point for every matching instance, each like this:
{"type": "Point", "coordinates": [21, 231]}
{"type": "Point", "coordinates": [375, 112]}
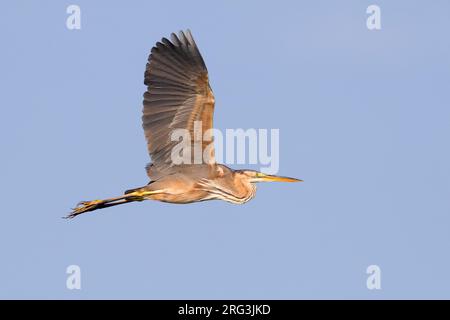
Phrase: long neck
{"type": "Point", "coordinates": [242, 192]}
{"type": "Point", "coordinates": [233, 190]}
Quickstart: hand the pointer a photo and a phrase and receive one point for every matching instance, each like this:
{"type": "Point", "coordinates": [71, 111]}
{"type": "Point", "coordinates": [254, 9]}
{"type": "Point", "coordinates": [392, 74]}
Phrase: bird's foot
{"type": "Point", "coordinates": [84, 206]}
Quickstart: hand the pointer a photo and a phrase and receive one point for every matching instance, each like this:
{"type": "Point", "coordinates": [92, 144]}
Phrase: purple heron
{"type": "Point", "coordinates": [178, 94]}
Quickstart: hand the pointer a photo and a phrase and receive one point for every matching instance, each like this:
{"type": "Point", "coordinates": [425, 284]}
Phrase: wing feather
{"type": "Point", "coordinates": [178, 94]}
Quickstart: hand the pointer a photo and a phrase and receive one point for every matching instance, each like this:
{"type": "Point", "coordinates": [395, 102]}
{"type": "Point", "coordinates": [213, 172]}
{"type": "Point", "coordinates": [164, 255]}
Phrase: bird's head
{"type": "Point", "coordinates": [256, 176]}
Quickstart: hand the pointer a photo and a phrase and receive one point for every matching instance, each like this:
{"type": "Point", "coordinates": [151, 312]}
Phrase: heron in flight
{"type": "Point", "coordinates": [178, 96]}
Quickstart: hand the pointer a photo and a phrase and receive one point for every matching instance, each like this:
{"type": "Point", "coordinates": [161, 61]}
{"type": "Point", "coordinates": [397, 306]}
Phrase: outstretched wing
{"type": "Point", "coordinates": [178, 95]}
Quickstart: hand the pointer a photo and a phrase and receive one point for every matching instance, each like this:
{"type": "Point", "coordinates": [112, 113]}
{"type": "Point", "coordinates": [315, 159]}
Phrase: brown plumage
{"type": "Point", "coordinates": [179, 95]}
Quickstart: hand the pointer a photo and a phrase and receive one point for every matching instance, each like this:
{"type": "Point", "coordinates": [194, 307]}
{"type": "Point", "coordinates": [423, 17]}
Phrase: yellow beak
{"type": "Point", "coordinates": [269, 178]}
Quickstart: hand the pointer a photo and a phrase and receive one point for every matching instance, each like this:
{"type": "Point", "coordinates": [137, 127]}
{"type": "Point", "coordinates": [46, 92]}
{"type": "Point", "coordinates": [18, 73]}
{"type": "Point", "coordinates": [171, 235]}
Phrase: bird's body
{"type": "Point", "coordinates": [193, 183]}
{"type": "Point", "coordinates": [179, 97]}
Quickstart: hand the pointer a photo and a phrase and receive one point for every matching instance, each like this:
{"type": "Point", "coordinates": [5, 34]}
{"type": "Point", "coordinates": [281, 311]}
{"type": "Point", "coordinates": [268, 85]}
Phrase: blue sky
{"type": "Point", "coordinates": [364, 119]}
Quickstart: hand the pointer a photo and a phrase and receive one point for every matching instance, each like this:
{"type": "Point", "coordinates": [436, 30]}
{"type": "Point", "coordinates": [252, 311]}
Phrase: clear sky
{"type": "Point", "coordinates": [364, 119]}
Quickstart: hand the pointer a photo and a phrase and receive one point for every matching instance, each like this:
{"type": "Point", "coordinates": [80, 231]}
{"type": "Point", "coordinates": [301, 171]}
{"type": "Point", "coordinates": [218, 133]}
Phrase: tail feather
{"type": "Point", "coordinates": [132, 190]}
{"type": "Point", "coordinates": [137, 189]}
